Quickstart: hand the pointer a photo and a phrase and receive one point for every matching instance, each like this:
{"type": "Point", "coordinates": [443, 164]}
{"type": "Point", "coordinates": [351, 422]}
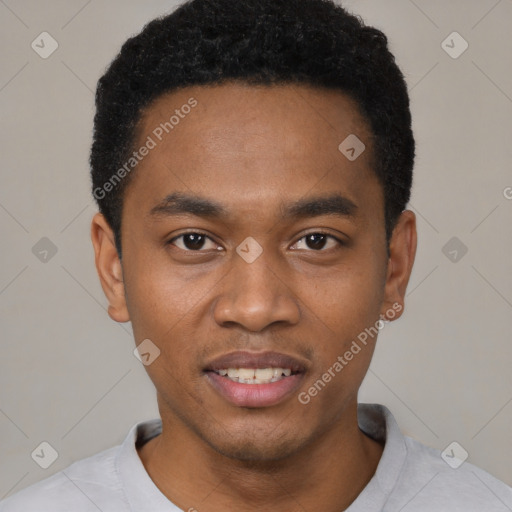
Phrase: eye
{"type": "Point", "coordinates": [318, 241]}
{"type": "Point", "coordinates": [193, 242]}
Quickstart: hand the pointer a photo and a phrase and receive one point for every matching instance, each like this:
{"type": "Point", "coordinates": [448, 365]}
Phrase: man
{"type": "Point", "coordinates": [252, 162]}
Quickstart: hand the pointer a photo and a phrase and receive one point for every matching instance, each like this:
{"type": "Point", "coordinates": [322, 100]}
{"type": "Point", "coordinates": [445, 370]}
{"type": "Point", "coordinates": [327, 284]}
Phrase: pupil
{"type": "Point", "coordinates": [316, 241]}
{"type": "Point", "coordinates": [193, 241]}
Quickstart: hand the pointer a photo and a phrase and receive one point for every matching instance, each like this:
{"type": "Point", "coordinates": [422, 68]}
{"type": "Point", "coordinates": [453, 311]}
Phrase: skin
{"type": "Point", "coordinates": [253, 150]}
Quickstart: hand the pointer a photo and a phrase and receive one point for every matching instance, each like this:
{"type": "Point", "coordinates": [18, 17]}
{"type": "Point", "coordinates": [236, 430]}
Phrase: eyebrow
{"type": "Point", "coordinates": [180, 204]}
{"type": "Point", "coordinates": [184, 204]}
{"type": "Point", "coordinates": [335, 204]}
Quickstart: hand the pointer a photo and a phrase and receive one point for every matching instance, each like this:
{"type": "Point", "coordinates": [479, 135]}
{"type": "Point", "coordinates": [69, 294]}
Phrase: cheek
{"type": "Point", "coordinates": [160, 296]}
{"type": "Point", "coordinates": [169, 308]}
{"type": "Point", "coordinates": [345, 312]}
{"type": "Point", "coordinates": [346, 300]}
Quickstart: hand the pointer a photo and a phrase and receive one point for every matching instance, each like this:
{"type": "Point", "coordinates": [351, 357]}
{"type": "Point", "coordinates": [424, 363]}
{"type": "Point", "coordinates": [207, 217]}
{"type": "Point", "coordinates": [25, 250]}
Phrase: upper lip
{"type": "Point", "coordinates": [244, 359]}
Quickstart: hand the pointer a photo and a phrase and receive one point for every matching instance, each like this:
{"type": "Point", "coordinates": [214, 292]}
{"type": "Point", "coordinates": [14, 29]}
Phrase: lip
{"type": "Point", "coordinates": [255, 395]}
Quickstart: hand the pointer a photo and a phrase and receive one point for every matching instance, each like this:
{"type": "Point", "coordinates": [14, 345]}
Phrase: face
{"type": "Point", "coordinates": [251, 241]}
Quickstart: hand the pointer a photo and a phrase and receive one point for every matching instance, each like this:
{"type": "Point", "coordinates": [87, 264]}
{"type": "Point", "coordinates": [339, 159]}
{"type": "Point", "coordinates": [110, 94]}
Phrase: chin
{"type": "Point", "coordinates": [256, 446]}
{"type": "Point", "coordinates": [251, 451]}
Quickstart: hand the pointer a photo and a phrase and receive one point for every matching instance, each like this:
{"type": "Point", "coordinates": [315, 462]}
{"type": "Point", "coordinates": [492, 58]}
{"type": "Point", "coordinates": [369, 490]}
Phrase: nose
{"type": "Point", "coordinates": [256, 295]}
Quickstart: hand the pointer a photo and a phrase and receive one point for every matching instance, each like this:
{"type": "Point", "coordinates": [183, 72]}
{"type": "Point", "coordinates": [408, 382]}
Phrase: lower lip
{"type": "Point", "coordinates": [254, 395]}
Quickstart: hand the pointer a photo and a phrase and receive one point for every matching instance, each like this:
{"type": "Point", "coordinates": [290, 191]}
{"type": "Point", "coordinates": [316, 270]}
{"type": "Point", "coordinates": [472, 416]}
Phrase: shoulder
{"type": "Point", "coordinates": [412, 476]}
{"type": "Point", "coordinates": [88, 484]}
{"type": "Point", "coordinates": [435, 480]}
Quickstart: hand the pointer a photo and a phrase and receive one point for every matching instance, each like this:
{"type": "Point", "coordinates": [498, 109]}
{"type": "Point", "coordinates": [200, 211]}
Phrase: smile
{"type": "Point", "coordinates": [255, 379]}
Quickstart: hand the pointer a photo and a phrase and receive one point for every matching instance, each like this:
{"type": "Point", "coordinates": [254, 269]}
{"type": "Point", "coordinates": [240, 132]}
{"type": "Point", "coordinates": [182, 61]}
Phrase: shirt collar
{"type": "Point", "coordinates": [377, 422]}
{"type": "Point", "coordinates": [140, 491]}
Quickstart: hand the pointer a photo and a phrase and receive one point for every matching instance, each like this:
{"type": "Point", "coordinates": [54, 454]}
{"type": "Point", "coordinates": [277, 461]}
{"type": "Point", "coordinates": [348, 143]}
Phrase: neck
{"type": "Point", "coordinates": [328, 474]}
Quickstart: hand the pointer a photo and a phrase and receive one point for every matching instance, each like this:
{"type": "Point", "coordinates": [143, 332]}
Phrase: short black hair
{"type": "Point", "coordinates": [259, 42]}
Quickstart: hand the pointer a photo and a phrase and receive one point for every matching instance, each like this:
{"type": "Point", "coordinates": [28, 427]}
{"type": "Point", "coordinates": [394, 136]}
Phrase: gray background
{"type": "Point", "coordinates": [67, 372]}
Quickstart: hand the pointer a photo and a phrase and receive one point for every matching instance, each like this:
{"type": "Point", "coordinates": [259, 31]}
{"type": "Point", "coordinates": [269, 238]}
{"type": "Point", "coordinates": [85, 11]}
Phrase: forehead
{"type": "Point", "coordinates": [253, 143]}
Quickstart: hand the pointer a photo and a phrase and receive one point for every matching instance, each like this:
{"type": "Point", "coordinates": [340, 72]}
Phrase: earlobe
{"type": "Point", "coordinates": [402, 249]}
{"type": "Point", "coordinates": [109, 268]}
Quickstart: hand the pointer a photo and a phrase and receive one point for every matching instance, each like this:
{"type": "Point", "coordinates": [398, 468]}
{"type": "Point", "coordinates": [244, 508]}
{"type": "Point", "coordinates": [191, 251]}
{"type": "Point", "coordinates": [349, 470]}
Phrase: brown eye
{"type": "Point", "coordinates": [192, 242]}
{"type": "Point", "coordinates": [318, 241]}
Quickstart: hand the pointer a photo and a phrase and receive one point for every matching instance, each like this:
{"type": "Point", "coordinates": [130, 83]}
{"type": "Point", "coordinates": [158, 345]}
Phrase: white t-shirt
{"type": "Point", "coordinates": [410, 477]}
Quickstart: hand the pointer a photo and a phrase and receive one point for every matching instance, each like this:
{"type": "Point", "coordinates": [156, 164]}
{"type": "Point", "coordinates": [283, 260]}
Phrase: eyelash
{"type": "Point", "coordinates": [341, 243]}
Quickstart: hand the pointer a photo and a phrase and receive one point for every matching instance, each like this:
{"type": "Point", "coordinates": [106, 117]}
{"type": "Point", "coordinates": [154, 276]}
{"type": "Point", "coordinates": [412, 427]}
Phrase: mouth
{"type": "Point", "coordinates": [248, 379]}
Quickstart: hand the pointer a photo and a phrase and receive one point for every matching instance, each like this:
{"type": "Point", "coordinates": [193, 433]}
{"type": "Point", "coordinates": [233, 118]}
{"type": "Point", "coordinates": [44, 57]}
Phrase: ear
{"type": "Point", "coordinates": [108, 266]}
{"type": "Point", "coordinates": [402, 249]}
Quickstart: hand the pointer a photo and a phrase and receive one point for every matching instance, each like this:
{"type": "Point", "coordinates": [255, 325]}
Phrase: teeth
{"type": "Point", "coordinates": [264, 373]}
{"type": "Point", "coordinates": [245, 374]}
{"type": "Point", "coordinates": [255, 375]}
